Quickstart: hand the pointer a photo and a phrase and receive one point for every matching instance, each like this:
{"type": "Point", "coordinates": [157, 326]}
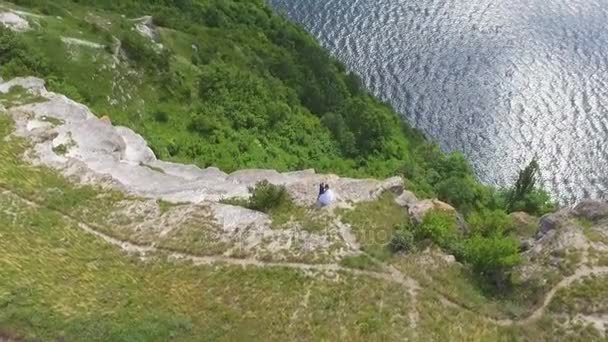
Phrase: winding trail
{"type": "Point", "coordinates": [390, 274]}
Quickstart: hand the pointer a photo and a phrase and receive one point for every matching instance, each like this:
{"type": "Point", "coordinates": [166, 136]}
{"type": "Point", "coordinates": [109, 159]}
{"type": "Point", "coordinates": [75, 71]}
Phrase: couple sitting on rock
{"type": "Point", "coordinates": [326, 196]}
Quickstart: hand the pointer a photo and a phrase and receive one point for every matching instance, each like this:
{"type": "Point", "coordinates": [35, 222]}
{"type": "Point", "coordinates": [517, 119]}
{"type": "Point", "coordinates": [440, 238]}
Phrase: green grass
{"type": "Point", "coordinates": [165, 206]}
{"type": "Point", "coordinates": [312, 220]}
{"type": "Point", "coordinates": [361, 262]}
{"type": "Point", "coordinates": [587, 296]}
{"type": "Point", "coordinates": [594, 235]}
{"type": "Point", "coordinates": [53, 121]}
{"type": "Point", "coordinates": [18, 96]}
{"type": "Point", "coordinates": [374, 223]}
{"type": "Point", "coordinates": [58, 282]}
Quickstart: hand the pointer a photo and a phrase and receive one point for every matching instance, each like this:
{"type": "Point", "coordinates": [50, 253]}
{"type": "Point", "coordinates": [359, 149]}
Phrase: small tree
{"type": "Point", "coordinates": [526, 196]}
{"type": "Point", "coordinates": [493, 256]}
{"type": "Point", "coordinates": [525, 184]}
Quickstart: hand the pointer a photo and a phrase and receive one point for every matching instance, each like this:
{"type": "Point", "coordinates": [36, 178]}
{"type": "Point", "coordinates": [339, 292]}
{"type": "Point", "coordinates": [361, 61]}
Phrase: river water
{"type": "Point", "coordinates": [500, 80]}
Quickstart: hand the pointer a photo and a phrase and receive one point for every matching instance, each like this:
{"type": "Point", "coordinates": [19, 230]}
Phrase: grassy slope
{"type": "Point", "coordinates": [56, 280]}
{"type": "Point", "coordinates": [44, 260]}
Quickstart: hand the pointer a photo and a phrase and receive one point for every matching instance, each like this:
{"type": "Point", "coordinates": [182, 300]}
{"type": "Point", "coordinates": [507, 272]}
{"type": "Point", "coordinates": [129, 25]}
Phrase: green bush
{"type": "Point", "coordinates": [161, 116]}
{"type": "Point", "coordinates": [490, 222]}
{"type": "Point", "coordinates": [17, 59]}
{"type": "Point", "coordinates": [442, 228]}
{"type": "Point", "coordinates": [142, 52]}
{"type": "Point", "coordinates": [492, 256]}
{"type": "Point", "coordinates": [402, 240]}
{"type": "Point", "coordinates": [266, 196]}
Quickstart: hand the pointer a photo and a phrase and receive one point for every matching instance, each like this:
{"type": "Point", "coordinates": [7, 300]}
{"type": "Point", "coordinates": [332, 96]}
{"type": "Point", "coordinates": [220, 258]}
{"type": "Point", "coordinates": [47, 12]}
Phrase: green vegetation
{"type": "Point", "coordinates": [165, 206]}
{"type": "Point", "coordinates": [490, 248]}
{"type": "Point", "coordinates": [402, 240]}
{"type": "Point", "coordinates": [587, 296]}
{"type": "Point", "coordinates": [361, 262]}
{"type": "Point", "coordinates": [525, 196]}
{"type": "Point", "coordinates": [17, 95]}
{"type": "Point", "coordinates": [374, 224]}
{"type": "Point", "coordinates": [234, 85]}
{"type": "Point", "coordinates": [492, 256]}
{"type": "Point", "coordinates": [153, 168]}
{"type": "Point", "coordinates": [60, 149]}
{"type": "Point", "coordinates": [266, 196]}
{"type": "Point", "coordinates": [442, 228]}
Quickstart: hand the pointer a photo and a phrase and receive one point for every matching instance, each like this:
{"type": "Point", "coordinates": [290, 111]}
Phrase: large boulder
{"type": "Point", "coordinates": [591, 210]}
{"type": "Point", "coordinates": [552, 221]}
{"type": "Point", "coordinates": [421, 208]}
{"type": "Point", "coordinates": [407, 199]}
{"type": "Point", "coordinates": [14, 22]}
{"type": "Point", "coordinates": [521, 219]}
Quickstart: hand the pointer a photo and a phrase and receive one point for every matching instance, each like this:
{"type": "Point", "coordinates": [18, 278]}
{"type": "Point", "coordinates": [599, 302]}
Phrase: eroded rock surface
{"type": "Point", "coordinates": [14, 21]}
{"type": "Point", "coordinates": [564, 244]}
{"type": "Point", "coordinates": [419, 209]}
{"type": "Point", "coordinates": [70, 138]}
{"type": "Point", "coordinates": [591, 210]}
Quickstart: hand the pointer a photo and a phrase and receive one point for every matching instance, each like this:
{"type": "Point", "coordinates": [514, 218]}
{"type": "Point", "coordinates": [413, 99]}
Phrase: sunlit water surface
{"type": "Point", "coordinates": [501, 81]}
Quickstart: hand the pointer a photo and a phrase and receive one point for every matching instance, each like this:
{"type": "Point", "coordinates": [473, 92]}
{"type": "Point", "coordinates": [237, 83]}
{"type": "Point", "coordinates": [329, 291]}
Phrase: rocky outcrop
{"type": "Point", "coordinates": [67, 136]}
{"type": "Point", "coordinates": [96, 149]}
{"type": "Point", "coordinates": [407, 199]}
{"type": "Point", "coordinates": [521, 219]}
{"type": "Point", "coordinates": [14, 21]}
{"type": "Point", "coordinates": [419, 209]}
{"type": "Point", "coordinates": [564, 243]}
{"type": "Point", "coordinates": [552, 221]}
{"type": "Point", "coordinates": [591, 210]}
{"type": "Point", "coordinates": [145, 26]}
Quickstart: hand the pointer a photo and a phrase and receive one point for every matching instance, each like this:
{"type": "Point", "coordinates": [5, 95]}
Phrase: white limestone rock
{"type": "Point", "coordinates": [14, 21]}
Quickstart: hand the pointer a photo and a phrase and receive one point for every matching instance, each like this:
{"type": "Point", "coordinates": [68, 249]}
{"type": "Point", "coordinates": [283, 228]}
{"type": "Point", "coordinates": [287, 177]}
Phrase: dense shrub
{"type": "Point", "coordinates": [490, 222]}
{"type": "Point", "coordinates": [266, 197]}
{"type": "Point", "coordinates": [492, 256]}
{"type": "Point", "coordinates": [17, 59]}
{"type": "Point", "coordinates": [139, 50]}
{"type": "Point", "coordinates": [442, 228]}
{"type": "Point", "coordinates": [161, 116]}
{"type": "Point", "coordinates": [402, 240]}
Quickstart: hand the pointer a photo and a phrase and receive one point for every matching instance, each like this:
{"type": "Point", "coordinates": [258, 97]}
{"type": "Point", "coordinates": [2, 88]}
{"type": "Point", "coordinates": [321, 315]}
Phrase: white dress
{"type": "Point", "coordinates": [326, 198]}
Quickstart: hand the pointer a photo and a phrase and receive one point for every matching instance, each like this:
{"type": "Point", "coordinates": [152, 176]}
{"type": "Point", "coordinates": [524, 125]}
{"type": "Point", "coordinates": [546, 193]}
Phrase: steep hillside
{"type": "Point", "coordinates": [133, 205]}
{"type": "Point", "coordinates": [130, 261]}
{"type": "Point", "coordinates": [227, 84]}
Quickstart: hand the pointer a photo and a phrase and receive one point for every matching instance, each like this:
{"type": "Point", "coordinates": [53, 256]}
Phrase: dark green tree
{"type": "Point", "coordinates": [525, 184]}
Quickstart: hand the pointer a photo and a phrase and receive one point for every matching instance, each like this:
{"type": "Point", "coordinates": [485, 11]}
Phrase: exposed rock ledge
{"type": "Point", "coordinates": [14, 21]}
{"type": "Point", "coordinates": [98, 153]}
{"type": "Point", "coordinates": [97, 150]}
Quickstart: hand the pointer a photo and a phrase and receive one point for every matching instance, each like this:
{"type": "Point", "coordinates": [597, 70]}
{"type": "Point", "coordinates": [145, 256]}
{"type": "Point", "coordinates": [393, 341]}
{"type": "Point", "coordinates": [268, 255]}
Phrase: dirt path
{"type": "Point", "coordinates": [390, 273]}
{"type": "Point", "coordinates": [579, 274]}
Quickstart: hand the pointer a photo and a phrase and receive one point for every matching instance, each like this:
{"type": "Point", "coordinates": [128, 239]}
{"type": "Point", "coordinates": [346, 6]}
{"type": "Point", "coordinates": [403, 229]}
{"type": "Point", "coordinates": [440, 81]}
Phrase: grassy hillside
{"type": "Point", "coordinates": [229, 83]}
{"type": "Point", "coordinates": [58, 282]}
